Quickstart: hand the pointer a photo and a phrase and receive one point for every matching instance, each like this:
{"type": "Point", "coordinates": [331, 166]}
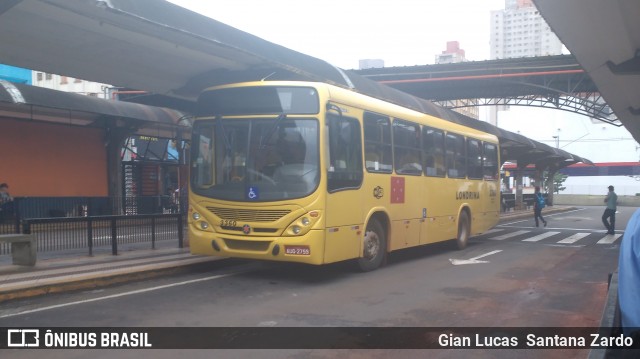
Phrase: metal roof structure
{"type": "Point", "coordinates": [19, 101]}
{"type": "Point", "coordinates": [604, 37]}
{"type": "Point", "coordinates": [557, 82]}
{"type": "Point", "coordinates": [159, 47]}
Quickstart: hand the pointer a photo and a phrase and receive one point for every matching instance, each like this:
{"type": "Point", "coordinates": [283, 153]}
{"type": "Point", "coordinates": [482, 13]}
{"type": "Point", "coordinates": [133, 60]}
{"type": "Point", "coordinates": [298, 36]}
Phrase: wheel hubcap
{"type": "Point", "coordinates": [371, 245]}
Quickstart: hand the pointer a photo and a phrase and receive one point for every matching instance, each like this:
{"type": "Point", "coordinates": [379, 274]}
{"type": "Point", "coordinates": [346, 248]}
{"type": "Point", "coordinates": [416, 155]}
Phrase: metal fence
{"type": "Point", "coordinates": [103, 232]}
{"type": "Point", "coordinates": [88, 223]}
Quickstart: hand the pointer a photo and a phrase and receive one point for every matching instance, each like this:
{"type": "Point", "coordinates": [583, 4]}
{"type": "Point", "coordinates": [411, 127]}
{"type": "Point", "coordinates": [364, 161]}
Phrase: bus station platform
{"type": "Point", "coordinates": [74, 272]}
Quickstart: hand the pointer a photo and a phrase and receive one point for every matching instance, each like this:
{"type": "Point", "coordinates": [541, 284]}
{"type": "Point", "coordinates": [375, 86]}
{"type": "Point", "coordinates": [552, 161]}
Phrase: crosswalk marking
{"type": "Point", "coordinates": [494, 230]}
{"type": "Point", "coordinates": [540, 237]}
{"type": "Point", "coordinates": [509, 235]}
{"type": "Point", "coordinates": [608, 239]}
{"type": "Point", "coordinates": [574, 238]}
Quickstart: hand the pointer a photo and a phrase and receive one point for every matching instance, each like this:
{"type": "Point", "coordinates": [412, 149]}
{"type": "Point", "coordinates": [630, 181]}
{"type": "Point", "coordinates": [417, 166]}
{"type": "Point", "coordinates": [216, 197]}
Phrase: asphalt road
{"type": "Point", "coordinates": [515, 276]}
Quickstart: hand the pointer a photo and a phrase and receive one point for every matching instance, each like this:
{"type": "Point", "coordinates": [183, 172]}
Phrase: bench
{"type": "Point", "coordinates": [23, 248]}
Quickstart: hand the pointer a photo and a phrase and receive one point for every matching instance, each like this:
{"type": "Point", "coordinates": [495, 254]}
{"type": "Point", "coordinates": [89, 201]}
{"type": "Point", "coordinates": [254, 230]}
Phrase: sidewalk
{"type": "Point", "coordinates": [61, 273]}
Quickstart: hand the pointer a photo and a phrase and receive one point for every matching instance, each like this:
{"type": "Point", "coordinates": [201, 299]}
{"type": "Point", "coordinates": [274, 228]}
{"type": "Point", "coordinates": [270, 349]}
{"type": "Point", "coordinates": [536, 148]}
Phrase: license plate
{"type": "Point", "coordinates": [297, 250]}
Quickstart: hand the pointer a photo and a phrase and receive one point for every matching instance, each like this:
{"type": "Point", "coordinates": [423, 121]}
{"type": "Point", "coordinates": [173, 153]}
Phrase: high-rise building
{"type": "Point", "coordinates": [452, 54]}
{"type": "Point", "coordinates": [520, 31]}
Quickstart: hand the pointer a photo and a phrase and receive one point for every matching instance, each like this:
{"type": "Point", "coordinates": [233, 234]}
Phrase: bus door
{"type": "Point", "coordinates": [343, 162]}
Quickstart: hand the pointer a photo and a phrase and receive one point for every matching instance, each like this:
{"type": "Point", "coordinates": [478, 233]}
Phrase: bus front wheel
{"type": "Point", "coordinates": [374, 247]}
{"type": "Point", "coordinates": [463, 230]}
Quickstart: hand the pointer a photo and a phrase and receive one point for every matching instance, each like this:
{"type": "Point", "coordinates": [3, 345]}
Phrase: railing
{"type": "Point", "coordinates": [104, 232]}
{"type": "Point", "coordinates": [78, 223]}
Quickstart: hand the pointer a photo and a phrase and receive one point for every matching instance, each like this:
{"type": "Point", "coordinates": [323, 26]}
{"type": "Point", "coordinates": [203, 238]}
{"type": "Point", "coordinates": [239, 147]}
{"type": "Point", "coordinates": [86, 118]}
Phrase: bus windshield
{"type": "Point", "coordinates": [255, 159]}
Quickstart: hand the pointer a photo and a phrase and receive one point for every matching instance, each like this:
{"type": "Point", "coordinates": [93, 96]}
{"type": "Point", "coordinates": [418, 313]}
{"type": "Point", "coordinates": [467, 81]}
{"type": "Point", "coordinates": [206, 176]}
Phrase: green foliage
{"type": "Point", "coordinates": [558, 180]}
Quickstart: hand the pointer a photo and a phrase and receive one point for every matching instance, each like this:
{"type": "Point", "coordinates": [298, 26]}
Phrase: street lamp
{"type": "Point", "coordinates": [557, 138]}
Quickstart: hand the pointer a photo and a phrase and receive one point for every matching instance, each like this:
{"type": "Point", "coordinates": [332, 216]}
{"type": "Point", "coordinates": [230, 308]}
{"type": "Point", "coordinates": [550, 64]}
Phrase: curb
{"type": "Point", "coordinates": [97, 280]}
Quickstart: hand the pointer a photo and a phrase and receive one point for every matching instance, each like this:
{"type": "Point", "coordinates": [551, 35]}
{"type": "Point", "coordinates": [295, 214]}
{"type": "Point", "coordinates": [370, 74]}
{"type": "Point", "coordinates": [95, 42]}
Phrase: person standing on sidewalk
{"type": "Point", "coordinates": [609, 215]}
{"type": "Point", "coordinates": [538, 205]}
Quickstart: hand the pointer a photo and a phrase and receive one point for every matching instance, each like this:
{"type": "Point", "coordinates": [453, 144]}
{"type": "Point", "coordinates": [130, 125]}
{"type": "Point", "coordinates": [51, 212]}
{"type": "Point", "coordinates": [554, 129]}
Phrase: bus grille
{"type": "Point", "coordinates": [249, 215]}
{"type": "Point", "coordinates": [257, 246]}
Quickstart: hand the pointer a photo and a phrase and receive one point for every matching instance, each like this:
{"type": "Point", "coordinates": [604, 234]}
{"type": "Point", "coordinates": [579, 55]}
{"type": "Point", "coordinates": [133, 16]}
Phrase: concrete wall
{"type": "Point", "coordinates": [590, 200]}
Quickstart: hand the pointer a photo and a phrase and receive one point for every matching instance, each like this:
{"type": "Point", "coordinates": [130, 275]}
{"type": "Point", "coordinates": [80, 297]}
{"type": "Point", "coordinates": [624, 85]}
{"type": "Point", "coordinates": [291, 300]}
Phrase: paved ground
{"type": "Point", "coordinates": [74, 270]}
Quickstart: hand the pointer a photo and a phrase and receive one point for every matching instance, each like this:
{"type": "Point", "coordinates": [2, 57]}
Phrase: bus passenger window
{"type": "Point", "coordinates": [456, 158]}
{"type": "Point", "coordinates": [377, 143]}
{"type": "Point", "coordinates": [433, 148]}
{"type": "Point", "coordinates": [490, 162]}
{"type": "Point", "coordinates": [407, 148]}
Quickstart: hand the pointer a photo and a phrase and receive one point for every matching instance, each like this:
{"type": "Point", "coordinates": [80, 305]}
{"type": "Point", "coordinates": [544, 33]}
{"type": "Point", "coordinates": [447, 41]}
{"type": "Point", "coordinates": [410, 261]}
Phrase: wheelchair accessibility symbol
{"type": "Point", "coordinates": [252, 193]}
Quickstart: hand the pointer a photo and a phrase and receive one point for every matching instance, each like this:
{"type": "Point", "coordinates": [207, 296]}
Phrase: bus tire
{"type": "Point", "coordinates": [464, 230]}
{"type": "Point", "coordinates": [374, 247]}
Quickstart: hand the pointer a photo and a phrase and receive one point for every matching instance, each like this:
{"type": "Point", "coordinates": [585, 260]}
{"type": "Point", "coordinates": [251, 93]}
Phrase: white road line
{"type": "Point", "coordinates": [546, 215]}
{"type": "Point", "coordinates": [121, 294]}
{"type": "Point", "coordinates": [609, 239]}
{"type": "Point", "coordinates": [486, 254]}
{"type": "Point", "coordinates": [493, 231]}
{"type": "Point", "coordinates": [540, 236]}
{"type": "Point", "coordinates": [509, 235]}
{"type": "Point", "coordinates": [574, 238]}
{"type": "Point", "coordinates": [474, 260]}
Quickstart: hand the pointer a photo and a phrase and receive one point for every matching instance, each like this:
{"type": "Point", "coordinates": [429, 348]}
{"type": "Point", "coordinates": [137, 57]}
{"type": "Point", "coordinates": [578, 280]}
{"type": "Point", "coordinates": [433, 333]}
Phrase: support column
{"type": "Point", "coordinates": [551, 185]}
{"type": "Point", "coordinates": [114, 141]}
{"type": "Point", "coordinates": [519, 184]}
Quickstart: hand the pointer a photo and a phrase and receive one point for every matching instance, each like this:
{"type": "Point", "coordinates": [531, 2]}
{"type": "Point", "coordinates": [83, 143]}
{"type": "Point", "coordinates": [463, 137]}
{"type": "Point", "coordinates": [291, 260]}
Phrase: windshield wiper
{"type": "Point", "coordinates": [272, 130]}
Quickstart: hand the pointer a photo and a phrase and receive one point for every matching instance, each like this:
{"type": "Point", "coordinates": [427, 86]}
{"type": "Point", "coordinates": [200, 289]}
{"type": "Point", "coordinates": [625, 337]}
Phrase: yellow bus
{"type": "Point", "coordinates": [314, 173]}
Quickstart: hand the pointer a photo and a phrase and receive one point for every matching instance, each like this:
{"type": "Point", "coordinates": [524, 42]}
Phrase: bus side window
{"type": "Point", "coordinates": [377, 143]}
{"type": "Point", "coordinates": [490, 161]}
{"type": "Point", "coordinates": [433, 148]}
{"type": "Point", "coordinates": [456, 157]}
{"type": "Point", "coordinates": [345, 153]}
{"type": "Point", "coordinates": [407, 147]}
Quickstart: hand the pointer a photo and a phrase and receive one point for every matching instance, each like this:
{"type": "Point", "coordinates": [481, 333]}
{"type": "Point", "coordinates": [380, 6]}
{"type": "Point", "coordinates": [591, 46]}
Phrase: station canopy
{"type": "Point", "coordinates": [175, 53]}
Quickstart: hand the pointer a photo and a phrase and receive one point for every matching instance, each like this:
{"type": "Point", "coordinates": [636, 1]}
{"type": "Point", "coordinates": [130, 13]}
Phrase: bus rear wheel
{"type": "Point", "coordinates": [463, 230]}
{"type": "Point", "coordinates": [374, 247]}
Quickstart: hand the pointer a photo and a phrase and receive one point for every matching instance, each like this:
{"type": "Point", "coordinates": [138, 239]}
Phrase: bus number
{"type": "Point", "coordinates": [227, 223]}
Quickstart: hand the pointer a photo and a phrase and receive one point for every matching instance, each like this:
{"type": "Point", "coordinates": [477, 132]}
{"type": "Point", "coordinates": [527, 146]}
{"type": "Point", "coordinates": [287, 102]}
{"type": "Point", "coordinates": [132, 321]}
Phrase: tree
{"type": "Point", "coordinates": [558, 180]}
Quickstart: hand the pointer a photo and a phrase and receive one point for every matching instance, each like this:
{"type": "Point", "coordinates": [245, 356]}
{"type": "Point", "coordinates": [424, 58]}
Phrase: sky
{"type": "Point", "coordinates": [341, 32]}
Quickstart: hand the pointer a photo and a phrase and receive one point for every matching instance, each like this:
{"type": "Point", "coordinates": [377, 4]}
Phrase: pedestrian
{"type": "Point", "coordinates": [609, 215]}
{"type": "Point", "coordinates": [538, 205]}
{"type": "Point", "coordinates": [6, 202]}
{"type": "Point", "coordinates": [629, 278]}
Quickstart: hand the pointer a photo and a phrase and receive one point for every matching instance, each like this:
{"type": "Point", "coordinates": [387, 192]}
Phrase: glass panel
{"type": "Point", "coordinates": [474, 159]}
{"type": "Point", "coordinates": [406, 148]}
{"type": "Point", "coordinates": [345, 153]}
{"type": "Point", "coordinates": [255, 159]}
{"type": "Point", "coordinates": [377, 143]}
{"type": "Point", "coordinates": [490, 161]}
{"type": "Point", "coordinates": [456, 160]}
{"type": "Point", "coordinates": [258, 101]}
{"type": "Point", "coordinates": [434, 163]}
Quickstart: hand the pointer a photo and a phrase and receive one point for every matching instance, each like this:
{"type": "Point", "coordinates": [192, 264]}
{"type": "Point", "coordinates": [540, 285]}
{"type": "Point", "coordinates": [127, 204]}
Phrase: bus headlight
{"type": "Point", "coordinates": [196, 215]}
{"type": "Point", "coordinates": [303, 224]}
{"type": "Point", "coordinates": [204, 225]}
